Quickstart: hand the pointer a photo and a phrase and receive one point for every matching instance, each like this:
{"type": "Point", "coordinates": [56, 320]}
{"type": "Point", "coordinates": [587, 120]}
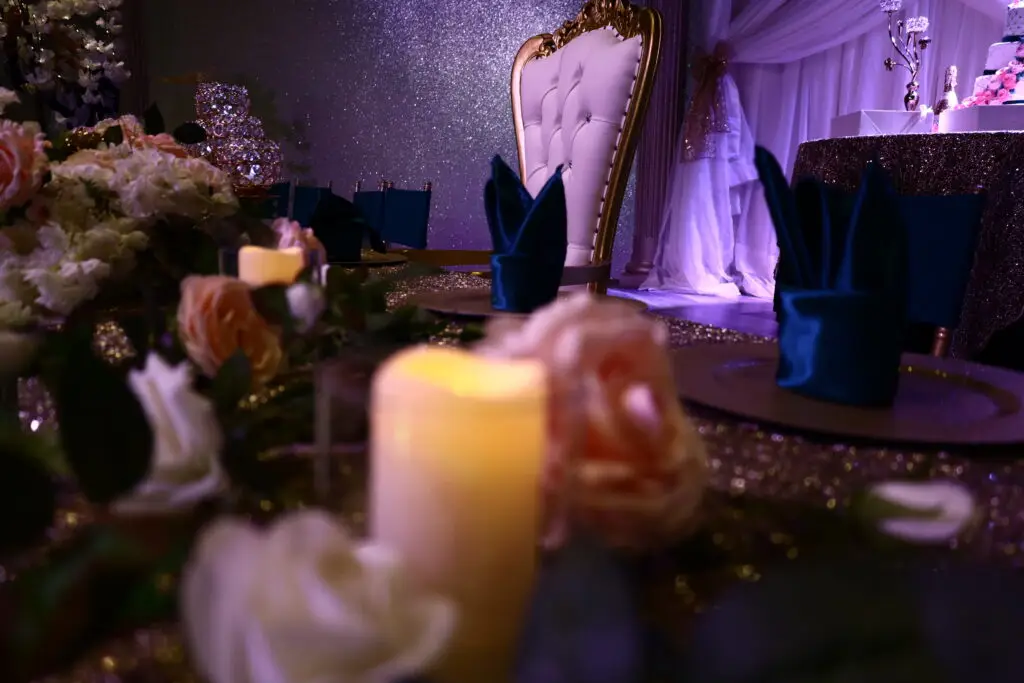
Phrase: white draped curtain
{"type": "Point", "coordinates": [795, 65]}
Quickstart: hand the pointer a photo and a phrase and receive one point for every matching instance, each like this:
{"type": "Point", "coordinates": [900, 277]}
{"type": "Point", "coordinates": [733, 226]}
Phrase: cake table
{"type": "Point", "coordinates": [950, 164]}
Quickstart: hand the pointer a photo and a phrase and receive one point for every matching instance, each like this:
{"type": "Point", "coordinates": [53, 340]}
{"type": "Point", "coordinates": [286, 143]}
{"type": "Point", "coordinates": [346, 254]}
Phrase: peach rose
{"type": "Point", "coordinates": [22, 162]}
{"type": "Point", "coordinates": [135, 135]}
{"type": "Point", "coordinates": [291, 234]}
{"type": "Point", "coordinates": [624, 460]}
{"type": "Point", "coordinates": [216, 318]}
{"type": "Point", "coordinates": [164, 142]}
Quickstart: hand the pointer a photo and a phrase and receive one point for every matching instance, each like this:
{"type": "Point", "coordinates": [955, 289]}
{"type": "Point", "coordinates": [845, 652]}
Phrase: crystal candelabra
{"type": "Point", "coordinates": [235, 140]}
{"type": "Point", "coordinates": [907, 38]}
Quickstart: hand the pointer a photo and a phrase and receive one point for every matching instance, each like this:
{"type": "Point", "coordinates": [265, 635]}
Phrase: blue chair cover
{"type": "Point", "coordinates": [406, 215]}
{"type": "Point", "coordinates": [279, 197]}
{"type": "Point", "coordinates": [371, 206]}
{"type": "Point", "coordinates": [942, 235]}
{"type": "Point", "coordinates": [306, 201]}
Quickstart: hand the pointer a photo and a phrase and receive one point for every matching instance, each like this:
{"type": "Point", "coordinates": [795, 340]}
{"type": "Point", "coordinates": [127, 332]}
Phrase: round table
{"type": "Point", "coordinates": [770, 500]}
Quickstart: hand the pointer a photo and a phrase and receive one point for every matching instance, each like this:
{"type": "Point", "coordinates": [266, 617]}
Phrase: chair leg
{"type": "Point", "coordinates": [940, 345]}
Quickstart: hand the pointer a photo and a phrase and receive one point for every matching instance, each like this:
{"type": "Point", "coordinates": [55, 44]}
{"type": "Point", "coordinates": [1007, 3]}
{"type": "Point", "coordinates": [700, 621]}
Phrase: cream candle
{"type": "Point", "coordinates": [258, 266]}
{"type": "Point", "coordinates": [457, 448]}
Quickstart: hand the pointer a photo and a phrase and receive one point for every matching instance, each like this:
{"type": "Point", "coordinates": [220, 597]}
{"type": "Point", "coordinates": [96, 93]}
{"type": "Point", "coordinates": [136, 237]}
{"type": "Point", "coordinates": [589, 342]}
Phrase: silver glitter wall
{"type": "Point", "coordinates": [363, 89]}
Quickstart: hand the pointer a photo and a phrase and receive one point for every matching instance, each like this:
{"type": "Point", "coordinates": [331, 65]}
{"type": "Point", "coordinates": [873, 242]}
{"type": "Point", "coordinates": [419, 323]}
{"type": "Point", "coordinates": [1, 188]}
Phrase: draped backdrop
{"type": "Point", "coordinates": [793, 65]}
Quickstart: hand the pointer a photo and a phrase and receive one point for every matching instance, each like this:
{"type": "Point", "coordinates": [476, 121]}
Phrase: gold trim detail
{"type": "Point", "coordinates": [628, 21]}
{"type": "Point", "coordinates": [618, 14]}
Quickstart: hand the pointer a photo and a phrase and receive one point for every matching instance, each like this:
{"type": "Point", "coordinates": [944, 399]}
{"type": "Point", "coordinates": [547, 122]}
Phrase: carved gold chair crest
{"type": "Point", "coordinates": [579, 97]}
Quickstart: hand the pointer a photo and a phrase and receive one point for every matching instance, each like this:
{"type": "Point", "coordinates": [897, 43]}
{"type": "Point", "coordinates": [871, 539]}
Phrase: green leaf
{"type": "Point", "coordinates": [104, 432]}
{"type": "Point", "coordinates": [113, 135]}
{"type": "Point", "coordinates": [473, 332]}
{"type": "Point", "coordinates": [28, 496]}
{"type": "Point", "coordinates": [190, 134]}
{"type": "Point", "coordinates": [271, 302]}
{"type": "Point", "coordinates": [232, 383]}
{"type": "Point", "coordinates": [342, 284]}
{"type": "Point", "coordinates": [153, 121]}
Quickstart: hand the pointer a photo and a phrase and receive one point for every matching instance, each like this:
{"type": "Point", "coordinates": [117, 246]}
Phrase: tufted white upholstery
{"type": "Point", "coordinates": [574, 105]}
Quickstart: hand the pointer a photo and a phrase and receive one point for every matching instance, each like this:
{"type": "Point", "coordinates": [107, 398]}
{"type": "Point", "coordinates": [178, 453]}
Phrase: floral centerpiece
{"type": "Point", "coordinates": [117, 212]}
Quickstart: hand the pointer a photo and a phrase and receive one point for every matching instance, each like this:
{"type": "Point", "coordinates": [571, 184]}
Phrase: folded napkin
{"type": "Point", "coordinates": [530, 240]}
{"type": "Point", "coordinates": [841, 287]}
{"type": "Point", "coordinates": [340, 226]}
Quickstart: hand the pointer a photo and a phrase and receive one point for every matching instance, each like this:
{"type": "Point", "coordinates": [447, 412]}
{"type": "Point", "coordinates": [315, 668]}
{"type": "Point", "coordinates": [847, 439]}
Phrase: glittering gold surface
{"type": "Point", "coordinates": [950, 164]}
{"type": "Point", "coordinates": [774, 498]}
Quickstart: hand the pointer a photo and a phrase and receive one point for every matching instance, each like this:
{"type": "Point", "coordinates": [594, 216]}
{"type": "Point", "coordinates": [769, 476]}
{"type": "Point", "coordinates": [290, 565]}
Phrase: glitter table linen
{"type": "Point", "coordinates": [950, 164]}
{"type": "Point", "coordinates": [772, 496]}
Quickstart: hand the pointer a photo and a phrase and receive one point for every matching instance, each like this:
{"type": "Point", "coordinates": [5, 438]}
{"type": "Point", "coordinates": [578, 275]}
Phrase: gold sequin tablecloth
{"type": "Point", "coordinates": [771, 493]}
{"type": "Point", "coordinates": [950, 164]}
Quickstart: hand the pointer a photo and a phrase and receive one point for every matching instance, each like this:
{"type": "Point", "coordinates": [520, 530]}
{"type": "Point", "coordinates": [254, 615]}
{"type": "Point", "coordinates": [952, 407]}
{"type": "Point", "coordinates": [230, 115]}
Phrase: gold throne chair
{"type": "Point", "coordinates": [579, 97]}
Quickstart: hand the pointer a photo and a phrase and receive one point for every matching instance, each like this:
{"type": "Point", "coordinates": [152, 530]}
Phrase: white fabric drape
{"type": "Point", "coordinates": [796, 65]}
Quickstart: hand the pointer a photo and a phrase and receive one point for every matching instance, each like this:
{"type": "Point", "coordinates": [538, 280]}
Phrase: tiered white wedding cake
{"type": "Point", "coordinates": [1001, 84]}
{"type": "Point", "coordinates": [1001, 74]}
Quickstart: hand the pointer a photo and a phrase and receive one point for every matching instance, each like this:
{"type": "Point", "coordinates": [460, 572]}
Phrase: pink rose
{"type": "Point", "coordinates": [291, 234]}
{"type": "Point", "coordinates": [1008, 80]}
{"type": "Point", "coordinates": [22, 162]}
{"type": "Point", "coordinates": [1002, 96]}
{"type": "Point", "coordinates": [624, 461]}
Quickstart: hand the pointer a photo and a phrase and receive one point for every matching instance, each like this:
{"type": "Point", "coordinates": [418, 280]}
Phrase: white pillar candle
{"type": "Point", "coordinates": [457, 448]}
{"type": "Point", "coordinates": [258, 266]}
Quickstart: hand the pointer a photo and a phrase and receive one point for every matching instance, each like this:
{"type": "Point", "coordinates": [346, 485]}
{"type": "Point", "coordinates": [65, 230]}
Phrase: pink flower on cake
{"type": "Point", "coordinates": [1009, 80]}
{"type": "Point", "coordinates": [292, 234]}
{"type": "Point", "coordinates": [1003, 96]}
{"type": "Point", "coordinates": [994, 84]}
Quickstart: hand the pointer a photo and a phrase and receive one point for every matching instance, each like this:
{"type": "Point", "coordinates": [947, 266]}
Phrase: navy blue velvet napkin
{"type": "Point", "coordinates": [841, 288]}
{"type": "Point", "coordinates": [529, 238]}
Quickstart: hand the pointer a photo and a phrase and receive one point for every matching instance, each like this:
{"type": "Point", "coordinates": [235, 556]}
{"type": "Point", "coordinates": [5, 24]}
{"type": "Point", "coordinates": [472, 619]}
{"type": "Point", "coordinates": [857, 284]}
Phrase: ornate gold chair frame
{"type": "Point", "coordinates": [628, 21]}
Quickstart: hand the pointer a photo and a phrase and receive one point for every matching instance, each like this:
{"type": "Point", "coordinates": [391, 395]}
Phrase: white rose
{"type": "Point", "coordinates": [185, 467]}
{"type": "Point", "coordinates": [304, 603]}
{"type": "Point", "coordinates": [306, 303]}
{"type": "Point", "coordinates": [63, 288]}
{"type": "Point", "coordinates": [923, 512]}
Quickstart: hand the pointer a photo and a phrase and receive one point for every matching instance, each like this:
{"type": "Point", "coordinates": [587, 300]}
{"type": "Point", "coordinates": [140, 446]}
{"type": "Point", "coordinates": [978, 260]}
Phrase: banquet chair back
{"type": "Point", "coordinates": [579, 97]}
{"type": "Point", "coordinates": [371, 204]}
{"type": "Point", "coordinates": [279, 200]}
{"type": "Point", "coordinates": [942, 238]}
{"type": "Point", "coordinates": [406, 216]}
{"type": "Point", "coordinates": [305, 199]}
{"type": "Point", "coordinates": [942, 234]}
{"type": "Point", "coordinates": [400, 217]}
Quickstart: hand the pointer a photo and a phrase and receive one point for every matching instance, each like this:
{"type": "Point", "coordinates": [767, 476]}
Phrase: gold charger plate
{"type": "Point", "coordinates": [372, 259]}
{"type": "Point", "coordinates": [476, 303]}
{"type": "Point", "coordinates": [941, 401]}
